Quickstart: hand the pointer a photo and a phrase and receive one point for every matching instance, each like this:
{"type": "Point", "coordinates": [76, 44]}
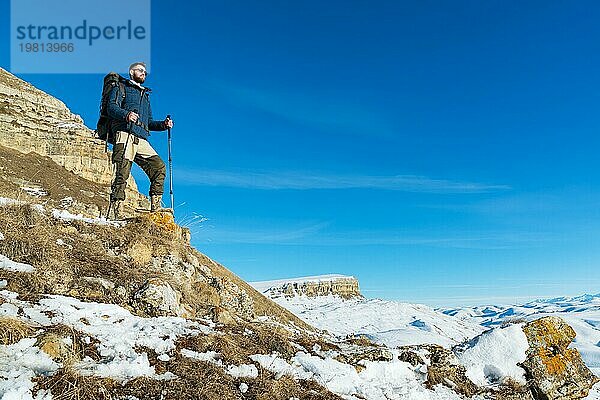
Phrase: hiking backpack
{"type": "Point", "coordinates": [103, 127]}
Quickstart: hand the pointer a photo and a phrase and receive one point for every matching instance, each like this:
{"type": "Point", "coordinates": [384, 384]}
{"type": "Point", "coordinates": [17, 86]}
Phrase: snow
{"type": "Point", "coordinates": [5, 201]}
{"type": "Point", "coordinates": [210, 356]}
{"type": "Point", "coordinates": [243, 371]}
{"type": "Point", "coordinates": [489, 359]}
{"type": "Point", "coordinates": [19, 363]}
{"type": "Point", "coordinates": [280, 367]}
{"type": "Point", "coordinates": [65, 215]}
{"type": "Point", "coordinates": [9, 265]}
{"type": "Point", "coordinates": [35, 191]}
{"type": "Point", "coordinates": [118, 331]}
{"type": "Point", "coordinates": [582, 313]}
{"type": "Point", "coordinates": [492, 357]}
{"type": "Point", "coordinates": [388, 322]}
{"type": "Point", "coordinates": [594, 393]}
{"type": "Point", "coordinates": [378, 381]}
{"type": "Point", "coordinates": [237, 371]}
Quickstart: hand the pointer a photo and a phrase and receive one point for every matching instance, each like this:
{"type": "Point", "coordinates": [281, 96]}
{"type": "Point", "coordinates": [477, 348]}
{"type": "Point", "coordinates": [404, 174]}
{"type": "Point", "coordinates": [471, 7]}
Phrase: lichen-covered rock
{"type": "Point", "coordinates": [356, 355]}
{"type": "Point", "coordinates": [166, 221]}
{"type": "Point", "coordinates": [554, 370]}
{"type": "Point", "coordinates": [182, 272]}
{"type": "Point", "coordinates": [233, 298]}
{"type": "Point", "coordinates": [157, 298]}
{"type": "Point", "coordinates": [445, 369]}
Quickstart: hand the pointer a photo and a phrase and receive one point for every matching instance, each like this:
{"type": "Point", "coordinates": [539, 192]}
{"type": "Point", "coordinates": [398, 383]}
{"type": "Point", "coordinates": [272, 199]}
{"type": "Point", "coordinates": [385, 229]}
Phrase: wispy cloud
{"type": "Point", "coordinates": [304, 181]}
{"type": "Point", "coordinates": [293, 235]}
{"type": "Point", "coordinates": [336, 113]}
{"type": "Point", "coordinates": [318, 234]}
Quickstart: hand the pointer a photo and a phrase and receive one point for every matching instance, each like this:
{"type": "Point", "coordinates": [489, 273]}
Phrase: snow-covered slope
{"type": "Point", "coordinates": [395, 323]}
{"type": "Point", "coordinates": [389, 322]}
{"type": "Point", "coordinates": [581, 312]}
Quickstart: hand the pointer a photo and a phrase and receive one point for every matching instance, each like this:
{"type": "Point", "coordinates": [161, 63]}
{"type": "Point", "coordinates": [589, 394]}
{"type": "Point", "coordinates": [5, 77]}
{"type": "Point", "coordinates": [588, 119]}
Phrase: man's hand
{"type": "Point", "coordinates": [132, 117]}
{"type": "Point", "coordinates": [168, 123]}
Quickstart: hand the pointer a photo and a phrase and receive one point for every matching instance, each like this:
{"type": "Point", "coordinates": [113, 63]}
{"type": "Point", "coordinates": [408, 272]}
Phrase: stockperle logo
{"type": "Point", "coordinates": [74, 36]}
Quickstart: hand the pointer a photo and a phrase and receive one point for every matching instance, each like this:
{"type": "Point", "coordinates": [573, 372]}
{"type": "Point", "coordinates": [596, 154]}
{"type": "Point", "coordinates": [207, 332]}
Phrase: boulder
{"type": "Point", "coordinates": [554, 370]}
{"type": "Point", "coordinates": [232, 297]}
{"type": "Point", "coordinates": [157, 298]}
{"type": "Point", "coordinates": [445, 369]}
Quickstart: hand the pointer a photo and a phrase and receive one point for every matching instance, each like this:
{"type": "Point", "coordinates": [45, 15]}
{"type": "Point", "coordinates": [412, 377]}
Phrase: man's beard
{"type": "Point", "coordinates": [139, 79]}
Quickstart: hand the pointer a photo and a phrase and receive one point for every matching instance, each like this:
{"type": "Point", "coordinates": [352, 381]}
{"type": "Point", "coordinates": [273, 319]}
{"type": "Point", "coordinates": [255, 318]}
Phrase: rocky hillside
{"type": "Point", "coordinates": [95, 309]}
{"type": "Point", "coordinates": [33, 121]}
{"type": "Point", "coordinates": [338, 285]}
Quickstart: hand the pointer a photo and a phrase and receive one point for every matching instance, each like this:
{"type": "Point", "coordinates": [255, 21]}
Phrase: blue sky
{"type": "Point", "coordinates": [442, 152]}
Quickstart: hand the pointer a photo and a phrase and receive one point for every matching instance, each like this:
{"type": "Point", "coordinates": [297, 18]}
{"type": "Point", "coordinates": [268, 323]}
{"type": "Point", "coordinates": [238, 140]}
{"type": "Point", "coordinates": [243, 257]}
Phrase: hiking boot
{"type": "Point", "coordinates": [114, 209]}
{"type": "Point", "coordinates": [156, 204]}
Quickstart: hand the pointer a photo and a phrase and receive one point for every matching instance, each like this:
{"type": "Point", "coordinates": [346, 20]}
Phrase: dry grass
{"type": "Point", "coordinates": [125, 256]}
{"type": "Point", "coordinates": [262, 305]}
{"type": "Point", "coordinates": [12, 330]}
{"type": "Point", "coordinates": [360, 340]}
{"type": "Point", "coordinates": [67, 384]}
{"type": "Point", "coordinates": [81, 344]}
{"type": "Point", "coordinates": [237, 343]}
{"type": "Point", "coordinates": [266, 387]}
{"type": "Point", "coordinates": [35, 170]}
{"type": "Point", "coordinates": [89, 251]}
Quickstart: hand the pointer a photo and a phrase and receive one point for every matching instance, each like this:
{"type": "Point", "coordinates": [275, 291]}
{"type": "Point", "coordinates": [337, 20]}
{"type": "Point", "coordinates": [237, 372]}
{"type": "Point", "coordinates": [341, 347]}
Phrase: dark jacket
{"type": "Point", "coordinates": [136, 100]}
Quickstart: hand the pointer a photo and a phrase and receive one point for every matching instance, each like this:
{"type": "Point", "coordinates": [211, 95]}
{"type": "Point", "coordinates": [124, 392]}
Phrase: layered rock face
{"type": "Point", "coordinates": [33, 121]}
{"type": "Point", "coordinates": [343, 286]}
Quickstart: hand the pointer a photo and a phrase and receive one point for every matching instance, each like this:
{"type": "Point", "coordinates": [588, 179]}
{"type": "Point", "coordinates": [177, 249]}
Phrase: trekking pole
{"type": "Point", "coordinates": [170, 170]}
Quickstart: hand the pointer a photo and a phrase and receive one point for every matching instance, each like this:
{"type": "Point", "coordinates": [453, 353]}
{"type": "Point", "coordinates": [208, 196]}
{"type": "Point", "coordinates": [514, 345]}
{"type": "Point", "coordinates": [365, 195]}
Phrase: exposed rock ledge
{"type": "Point", "coordinates": [312, 286]}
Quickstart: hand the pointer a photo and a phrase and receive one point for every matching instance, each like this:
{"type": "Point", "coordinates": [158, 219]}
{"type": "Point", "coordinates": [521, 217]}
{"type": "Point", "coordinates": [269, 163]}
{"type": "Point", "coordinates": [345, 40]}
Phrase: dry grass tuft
{"type": "Point", "coordinates": [236, 344]}
{"type": "Point", "coordinates": [195, 380]}
{"type": "Point", "coordinates": [360, 340]}
{"type": "Point", "coordinates": [12, 330]}
{"type": "Point", "coordinates": [16, 220]}
{"type": "Point", "coordinates": [66, 384]}
{"type": "Point", "coordinates": [308, 342]}
{"type": "Point", "coordinates": [81, 345]}
{"type": "Point", "coordinates": [266, 387]}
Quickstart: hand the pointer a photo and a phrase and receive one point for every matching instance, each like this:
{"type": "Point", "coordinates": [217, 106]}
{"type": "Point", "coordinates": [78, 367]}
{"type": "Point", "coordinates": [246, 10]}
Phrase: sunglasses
{"type": "Point", "coordinates": [141, 70]}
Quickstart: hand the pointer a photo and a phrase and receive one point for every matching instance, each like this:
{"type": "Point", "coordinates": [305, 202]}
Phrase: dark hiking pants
{"type": "Point", "coordinates": [130, 149]}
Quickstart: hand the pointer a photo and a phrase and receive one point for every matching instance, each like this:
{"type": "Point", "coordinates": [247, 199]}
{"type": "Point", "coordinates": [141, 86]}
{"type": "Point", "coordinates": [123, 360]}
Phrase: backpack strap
{"type": "Point", "coordinates": [122, 90]}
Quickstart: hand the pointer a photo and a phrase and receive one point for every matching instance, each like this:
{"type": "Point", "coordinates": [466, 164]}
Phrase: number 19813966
{"type": "Point", "coordinates": [46, 47]}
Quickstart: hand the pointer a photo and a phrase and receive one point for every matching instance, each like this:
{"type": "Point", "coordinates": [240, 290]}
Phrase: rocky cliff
{"type": "Point", "coordinates": [324, 285]}
{"type": "Point", "coordinates": [33, 121]}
